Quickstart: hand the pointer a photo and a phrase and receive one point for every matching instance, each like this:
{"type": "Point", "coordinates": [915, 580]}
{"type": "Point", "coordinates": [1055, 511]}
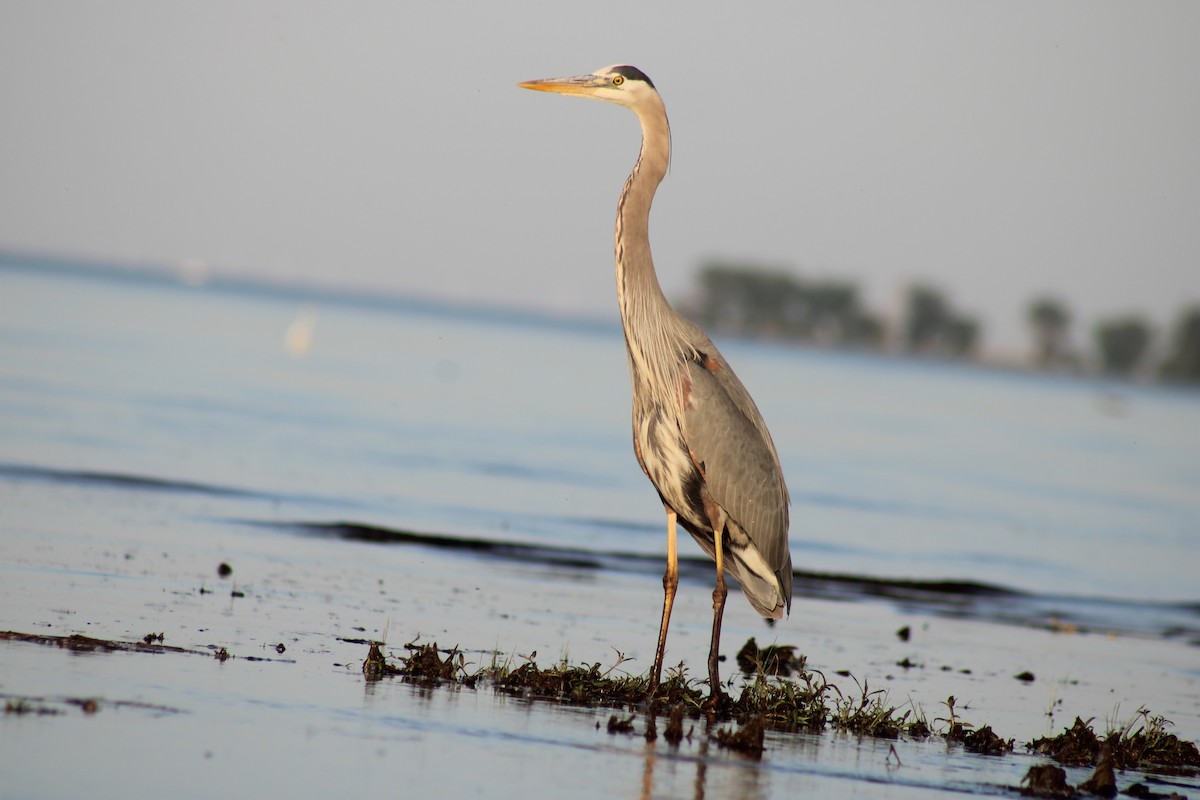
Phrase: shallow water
{"type": "Point", "coordinates": [468, 478]}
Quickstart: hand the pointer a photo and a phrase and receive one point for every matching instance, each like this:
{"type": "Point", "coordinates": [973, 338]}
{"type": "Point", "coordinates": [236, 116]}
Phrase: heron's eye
{"type": "Point", "coordinates": [618, 80]}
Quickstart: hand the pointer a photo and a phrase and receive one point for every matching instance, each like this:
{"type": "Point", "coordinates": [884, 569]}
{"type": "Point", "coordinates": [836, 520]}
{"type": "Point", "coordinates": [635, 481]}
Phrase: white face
{"type": "Point", "coordinates": [613, 86]}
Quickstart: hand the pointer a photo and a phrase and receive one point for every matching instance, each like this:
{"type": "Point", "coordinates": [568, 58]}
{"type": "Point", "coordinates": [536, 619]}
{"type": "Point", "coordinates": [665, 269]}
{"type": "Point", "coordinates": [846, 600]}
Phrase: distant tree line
{"type": "Point", "coordinates": [775, 304]}
{"type": "Point", "coordinates": [1124, 345]}
{"type": "Point", "coordinates": [757, 302]}
{"type": "Point", "coordinates": [932, 327]}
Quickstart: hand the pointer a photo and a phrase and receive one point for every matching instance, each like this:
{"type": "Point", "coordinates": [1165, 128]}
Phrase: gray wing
{"type": "Point", "coordinates": [727, 437]}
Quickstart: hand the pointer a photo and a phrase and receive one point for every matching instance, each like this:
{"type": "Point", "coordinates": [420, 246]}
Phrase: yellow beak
{"type": "Point", "coordinates": [580, 84]}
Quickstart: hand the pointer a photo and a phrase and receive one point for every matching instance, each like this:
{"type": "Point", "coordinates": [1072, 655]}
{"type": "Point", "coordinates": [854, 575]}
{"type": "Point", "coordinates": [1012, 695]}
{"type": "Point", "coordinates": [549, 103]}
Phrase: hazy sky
{"type": "Point", "coordinates": [999, 149]}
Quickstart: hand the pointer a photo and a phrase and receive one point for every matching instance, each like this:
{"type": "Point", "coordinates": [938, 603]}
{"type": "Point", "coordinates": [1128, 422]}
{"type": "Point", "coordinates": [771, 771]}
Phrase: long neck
{"type": "Point", "coordinates": [651, 325]}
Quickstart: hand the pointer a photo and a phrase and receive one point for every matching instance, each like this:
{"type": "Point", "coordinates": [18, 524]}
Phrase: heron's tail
{"type": "Point", "coordinates": [768, 590]}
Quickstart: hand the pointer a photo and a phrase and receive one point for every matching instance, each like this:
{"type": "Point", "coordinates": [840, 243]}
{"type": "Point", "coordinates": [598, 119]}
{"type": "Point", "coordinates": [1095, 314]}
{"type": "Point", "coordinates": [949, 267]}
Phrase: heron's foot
{"type": "Point", "coordinates": [716, 702]}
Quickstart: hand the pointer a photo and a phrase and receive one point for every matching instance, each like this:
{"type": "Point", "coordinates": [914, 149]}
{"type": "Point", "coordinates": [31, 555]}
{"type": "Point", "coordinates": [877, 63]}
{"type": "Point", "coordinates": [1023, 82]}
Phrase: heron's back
{"type": "Point", "coordinates": [710, 442]}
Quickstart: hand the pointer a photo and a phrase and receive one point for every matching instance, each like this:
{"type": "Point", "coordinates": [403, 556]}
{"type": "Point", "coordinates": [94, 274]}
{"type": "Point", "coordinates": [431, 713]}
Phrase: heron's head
{"type": "Point", "coordinates": [621, 84]}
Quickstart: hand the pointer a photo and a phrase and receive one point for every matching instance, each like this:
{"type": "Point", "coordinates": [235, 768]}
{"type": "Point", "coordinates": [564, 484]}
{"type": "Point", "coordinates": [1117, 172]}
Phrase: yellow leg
{"type": "Point", "coordinates": [670, 584]}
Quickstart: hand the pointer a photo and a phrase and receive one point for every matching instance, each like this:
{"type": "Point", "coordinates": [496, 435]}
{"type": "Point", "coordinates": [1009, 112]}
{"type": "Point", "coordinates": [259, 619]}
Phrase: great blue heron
{"type": "Point", "coordinates": [696, 432]}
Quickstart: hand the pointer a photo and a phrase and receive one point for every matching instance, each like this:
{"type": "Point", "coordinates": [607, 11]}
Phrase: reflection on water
{"type": "Point", "coordinates": [736, 777]}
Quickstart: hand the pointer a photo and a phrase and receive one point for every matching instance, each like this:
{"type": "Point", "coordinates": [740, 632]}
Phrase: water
{"type": "Point", "coordinates": [515, 430]}
{"type": "Point", "coordinates": [375, 468]}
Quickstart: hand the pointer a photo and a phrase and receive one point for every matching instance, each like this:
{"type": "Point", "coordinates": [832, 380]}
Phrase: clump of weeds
{"type": "Point", "coordinates": [770, 660]}
{"type": "Point", "coordinates": [778, 692]}
{"type": "Point", "coordinates": [748, 739]}
{"type": "Point", "coordinates": [1142, 742]}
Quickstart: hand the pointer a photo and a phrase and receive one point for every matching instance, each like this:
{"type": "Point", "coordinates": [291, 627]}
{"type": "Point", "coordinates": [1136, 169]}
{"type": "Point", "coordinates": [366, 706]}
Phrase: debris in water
{"type": "Point", "coordinates": [1149, 744]}
{"type": "Point", "coordinates": [374, 667]}
{"type": "Point", "coordinates": [1143, 792]}
{"type": "Point", "coordinates": [807, 702]}
{"type": "Point", "coordinates": [985, 742]}
{"type": "Point", "coordinates": [748, 739]}
{"type": "Point", "coordinates": [1046, 780]}
{"type": "Point", "coordinates": [674, 732]}
{"type": "Point", "coordinates": [21, 707]}
{"type": "Point", "coordinates": [1103, 781]}
{"type": "Point", "coordinates": [769, 660]}
{"type": "Point", "coordinates": [88, 644]}
{"type": "Point", "coordinates": [426, 663]}
{"type": "Point", "coordinates": [617, 725]}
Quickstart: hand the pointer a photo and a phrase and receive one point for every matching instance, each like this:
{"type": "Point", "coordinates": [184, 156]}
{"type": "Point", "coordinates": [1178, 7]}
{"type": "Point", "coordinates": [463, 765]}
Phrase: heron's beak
{"type": "Point", "coordinates": [585, 85]}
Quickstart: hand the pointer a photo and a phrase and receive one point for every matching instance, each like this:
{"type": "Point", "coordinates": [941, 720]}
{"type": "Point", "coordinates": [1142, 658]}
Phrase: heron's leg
{"type": "Point", "coordinates": [670, 584]}
{"type": "Point", "coordinates": [719, 594]}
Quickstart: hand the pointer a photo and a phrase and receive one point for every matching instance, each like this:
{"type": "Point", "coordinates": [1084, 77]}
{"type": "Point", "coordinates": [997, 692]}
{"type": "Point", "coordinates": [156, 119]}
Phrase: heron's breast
{"type": "Point", "coordinates": [664, 457]}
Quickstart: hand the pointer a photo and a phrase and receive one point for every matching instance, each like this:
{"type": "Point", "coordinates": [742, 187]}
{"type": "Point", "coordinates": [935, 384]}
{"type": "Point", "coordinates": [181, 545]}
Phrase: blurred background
{"type": "Point", "coordinates": [1016, 183]}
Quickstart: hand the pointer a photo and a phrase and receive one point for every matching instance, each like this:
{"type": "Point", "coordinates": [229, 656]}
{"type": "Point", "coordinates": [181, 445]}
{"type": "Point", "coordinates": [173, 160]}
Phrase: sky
{"type": "Point", "coordinates": [999, 150]}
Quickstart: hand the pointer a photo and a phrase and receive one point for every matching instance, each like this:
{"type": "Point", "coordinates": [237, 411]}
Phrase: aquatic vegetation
{"type": "Point", "coordinates": [1143, 741]}
{"type": "Point", "coordinates": [21, 706]}
{"type": "Point", "coordinates": [748, 739]}
{"type": "Point", "coordinates": [769, 660]}
{"type": "Point", "coordinates": [585, 684]}
{"type": "Point", "coordinates": [770, 695]}
{"type": "Point", "coordinates": [1076, 746]}
{"type": "Point", "coordinates": [986, 742]}
{"type": "Point", "coordinates": [1046, 780]}
{"type": "Point", "coordinates": [800, 704]}
{"type": "Point", "coordinates": [777, 692]}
